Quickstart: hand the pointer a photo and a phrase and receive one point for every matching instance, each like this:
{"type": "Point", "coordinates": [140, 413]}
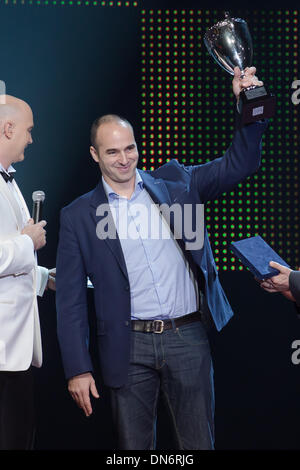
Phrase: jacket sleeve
{"type": "Point", "coordinates": [42, 275]}
{"type": "Point", "coordinates": [71, 302]}
{"type": "Point", "coordinates": [294, 281]}
{"type": "Point", "coordinates": [240, 160]}
{"type": "Point", "coordinates": [16, 256]}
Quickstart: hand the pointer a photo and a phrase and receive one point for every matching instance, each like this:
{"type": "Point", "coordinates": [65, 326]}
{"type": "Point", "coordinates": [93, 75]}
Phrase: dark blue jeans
{"type": "Point", "coordinates": [178, 363]}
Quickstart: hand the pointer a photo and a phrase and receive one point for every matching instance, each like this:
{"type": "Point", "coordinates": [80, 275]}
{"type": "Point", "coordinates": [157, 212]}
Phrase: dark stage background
{"type": "Point", "coordinates": [75, 60]}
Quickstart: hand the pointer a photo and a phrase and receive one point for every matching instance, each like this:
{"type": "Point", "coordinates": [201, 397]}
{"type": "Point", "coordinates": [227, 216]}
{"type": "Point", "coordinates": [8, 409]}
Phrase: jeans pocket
{"type": "Point", "coordinates": [193, 334]}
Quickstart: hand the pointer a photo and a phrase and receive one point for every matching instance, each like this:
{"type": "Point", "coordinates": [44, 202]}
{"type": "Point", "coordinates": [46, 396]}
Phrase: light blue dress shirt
{"type": "Point", "coordinates": [162, 285]}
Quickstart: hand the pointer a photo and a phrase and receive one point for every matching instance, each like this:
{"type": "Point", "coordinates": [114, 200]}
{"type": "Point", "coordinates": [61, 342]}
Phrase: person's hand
{"type": "Point", "coordinates": [238, 83]}
{"type": "Point", "coordinates": [51, 284]}
{"type": "Point", "coordinates": [80, 387]}
{"type": "Point", "coordinates": [36, 232]}
{"type": "Point", "coordinates": [269, 287]}
{"type": "Point", "coordinates": [280, 282]}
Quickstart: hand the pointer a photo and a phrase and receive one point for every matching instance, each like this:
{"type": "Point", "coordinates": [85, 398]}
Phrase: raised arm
{"type": "Point", "coordinates": [240, 160]}
{"type": "Point", "coordinates": [242, 157]}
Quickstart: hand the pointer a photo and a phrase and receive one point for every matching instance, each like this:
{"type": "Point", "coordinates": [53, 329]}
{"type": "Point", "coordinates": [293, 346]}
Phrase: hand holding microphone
{"type": "Point", "coordinates": [35, 227]}
{"type": "Point", "coordinates": [36, 232]}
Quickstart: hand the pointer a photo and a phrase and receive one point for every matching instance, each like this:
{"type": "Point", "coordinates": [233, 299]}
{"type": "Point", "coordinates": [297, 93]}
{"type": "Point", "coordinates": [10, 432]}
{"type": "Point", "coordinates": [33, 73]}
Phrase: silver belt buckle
{"type": "Point", "coordinates": [161, 326]}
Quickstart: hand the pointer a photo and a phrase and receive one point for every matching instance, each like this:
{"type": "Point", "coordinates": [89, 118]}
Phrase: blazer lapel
{"type": "Point", "coordinates": [159, 193]}
{"type": "Point", "coordinates": [22, 199]}
{"type": "Point", "coordinates": [98, 198]}
{"type": "Point", "coordinates": [12, 202]}
{"type": "Point", "coordinates": [156, 188]}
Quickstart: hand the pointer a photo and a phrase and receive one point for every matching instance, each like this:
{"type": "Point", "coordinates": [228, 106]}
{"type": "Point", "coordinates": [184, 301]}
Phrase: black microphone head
{"type": "Point", "coordinates": [38, 196]}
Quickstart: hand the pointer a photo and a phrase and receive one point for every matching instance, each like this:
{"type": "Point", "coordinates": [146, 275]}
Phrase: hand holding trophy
{"type": "Point", "coordinates": [230, 44]}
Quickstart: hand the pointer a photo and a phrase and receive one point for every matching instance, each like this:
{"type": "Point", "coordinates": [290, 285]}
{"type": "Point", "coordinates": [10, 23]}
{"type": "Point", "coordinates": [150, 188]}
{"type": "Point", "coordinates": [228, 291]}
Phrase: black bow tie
{"type": "Point", "coordinates": [7, 177]}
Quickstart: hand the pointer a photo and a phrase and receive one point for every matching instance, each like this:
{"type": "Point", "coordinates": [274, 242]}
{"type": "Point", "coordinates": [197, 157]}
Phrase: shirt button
{"type": "Point", "coordinates": [126, 287]}
{"type": "Point", "coordinates": [126, 323]}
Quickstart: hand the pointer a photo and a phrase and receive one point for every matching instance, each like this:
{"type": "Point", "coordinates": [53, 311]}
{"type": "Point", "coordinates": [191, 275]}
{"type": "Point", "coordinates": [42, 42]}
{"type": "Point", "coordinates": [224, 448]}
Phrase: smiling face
{"type": "Point", "coordinates": [116, 153]}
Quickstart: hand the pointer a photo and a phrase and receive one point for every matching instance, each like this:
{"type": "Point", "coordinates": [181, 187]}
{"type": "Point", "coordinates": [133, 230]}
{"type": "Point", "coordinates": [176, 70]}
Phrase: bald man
{"type": "Point", "coordinates": [153, 294]}
{"type": "Point", "coordinates": [20, 281]}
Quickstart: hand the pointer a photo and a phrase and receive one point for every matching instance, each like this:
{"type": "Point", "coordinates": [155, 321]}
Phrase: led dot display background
{"type": "Point", "coordinates": [188, 114]}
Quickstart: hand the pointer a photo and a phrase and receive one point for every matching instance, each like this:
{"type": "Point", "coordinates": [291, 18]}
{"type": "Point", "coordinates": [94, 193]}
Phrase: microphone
{"type": "Point", "coordinates": [38, 198]}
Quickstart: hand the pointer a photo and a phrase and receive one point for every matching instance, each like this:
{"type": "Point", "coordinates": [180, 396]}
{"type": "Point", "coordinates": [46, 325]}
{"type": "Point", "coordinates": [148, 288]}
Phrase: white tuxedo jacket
{"type": "Point", "coordinates": [20, 282]}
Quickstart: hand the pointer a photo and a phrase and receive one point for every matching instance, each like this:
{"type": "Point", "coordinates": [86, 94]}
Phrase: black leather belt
{"type": "Point", "coordinates": [158, 326]}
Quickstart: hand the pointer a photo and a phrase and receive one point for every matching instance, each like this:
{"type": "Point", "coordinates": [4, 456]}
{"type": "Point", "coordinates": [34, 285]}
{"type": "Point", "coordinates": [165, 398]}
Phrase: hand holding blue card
{"type": "Point", "coordinates": [256, 255]}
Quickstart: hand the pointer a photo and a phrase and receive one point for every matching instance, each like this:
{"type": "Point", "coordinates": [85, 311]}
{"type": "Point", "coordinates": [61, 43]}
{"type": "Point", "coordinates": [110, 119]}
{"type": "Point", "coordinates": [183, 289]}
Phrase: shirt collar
{"type": "Point", "coordinates": [110, 193]}
{"type": "Point", "coordinates": [9, 170]}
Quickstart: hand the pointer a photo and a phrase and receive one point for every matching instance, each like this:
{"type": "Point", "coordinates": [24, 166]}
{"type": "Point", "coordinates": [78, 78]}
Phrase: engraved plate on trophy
{"type": "Point", "coordinates": [230, 44]}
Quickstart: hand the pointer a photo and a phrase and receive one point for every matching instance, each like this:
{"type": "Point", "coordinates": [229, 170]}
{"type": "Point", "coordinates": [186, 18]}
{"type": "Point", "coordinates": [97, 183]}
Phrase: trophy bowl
{"type": "Point", "coordinates": [229, 42]}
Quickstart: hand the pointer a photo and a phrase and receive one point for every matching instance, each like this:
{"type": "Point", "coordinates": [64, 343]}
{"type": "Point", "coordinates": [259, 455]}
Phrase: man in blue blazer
{"type": "Point", "coordinates": [153, 294]}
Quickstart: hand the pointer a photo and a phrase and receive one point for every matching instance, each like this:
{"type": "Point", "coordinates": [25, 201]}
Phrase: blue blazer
{"type": "Point", "coordinates": [81, 253]}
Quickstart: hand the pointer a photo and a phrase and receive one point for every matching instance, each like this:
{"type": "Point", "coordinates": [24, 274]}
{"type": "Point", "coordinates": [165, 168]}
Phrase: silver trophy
{"type": "Point", "coordinates": [230, 44]}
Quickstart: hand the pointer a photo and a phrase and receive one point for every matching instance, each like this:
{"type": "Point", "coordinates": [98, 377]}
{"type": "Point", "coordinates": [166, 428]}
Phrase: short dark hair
{"type": "Point", "coordinates": [103, 120]}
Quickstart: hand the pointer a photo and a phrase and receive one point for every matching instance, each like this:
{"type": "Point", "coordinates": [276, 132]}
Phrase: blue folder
{"type": "Point", "coordinates": [256, 254]}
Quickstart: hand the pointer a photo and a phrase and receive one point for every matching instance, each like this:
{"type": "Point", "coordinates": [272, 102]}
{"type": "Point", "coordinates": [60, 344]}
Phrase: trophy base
{"type": "Point", "coordinates": [256, 104]}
